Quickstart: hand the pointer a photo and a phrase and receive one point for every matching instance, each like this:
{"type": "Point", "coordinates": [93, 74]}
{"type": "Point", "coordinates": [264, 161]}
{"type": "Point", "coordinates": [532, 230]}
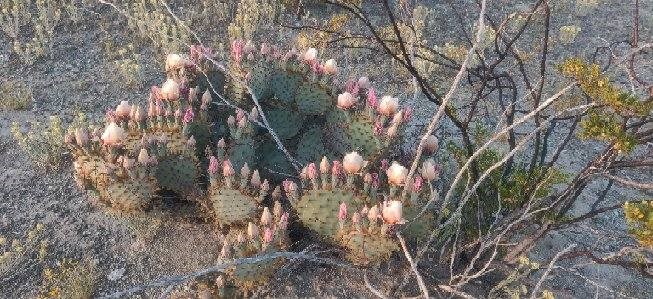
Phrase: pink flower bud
{"type": "Point", "coordinates": [189, 115]}
{"type": "Point", "coordinates": [342, 212]}
{"type": "Point", "coordinates": [231, 121]}
{"type": "Point", "coordinates": [191, 142]}
{"type": "Point", "coordinates": [346, 100]}
{"type": "Point", "coordinates": [352, 163]}
{"type": "Point", "coordinates": [265, 186]}
{"type": "Point", "coordinates": [265, 49]}
{"type": "Point", "coordinates": [431, 144]}
{"type": "Point", "coordinates": [388, 105]}
{"type": "Point", "coordinates": [256, 179]}
{"type": "Point", "coordinates": [266, 217]}
{"type": "Point", "coordinates": [417, 184]}
{"type": "Point", "coordinates": [139, 115]}
{"type": "Point", "coordinates": [336, 169]}
{"type": "Point", "coordinates": [127, 163]}
{"type": "Point", "coordinates": [324, 165]}
{"type": "Point", "coordinates": [356, 218]}
{"type": "Point", "coordinates": [174, 62]}
{"type": "Point", "coordinates": [352, 87]}
{"type": "Point", "coordinates": [408, 114]}
{"type": "Point", "coordinates": [283, 221]}
{"type": "Point", "coordinates": [429, 170]}
{"type": "Point", "coordinates": [242, 123]}
{"type": "Point", "coordinates": [310, 54]}
{"type": "Point", "coordinates": [170, 90]}
{"type": "Point", "coordinates": [385, 164]}
{"type": "Point", "coordinates": [373, 213]}
{"type": "Point", "coordinates": [253, 115]}
{"type": "Point", "coordinates": [330, 67]}
{"type": "Point", "coordinates": [178, 113]}
{"type": "Point", "coordinates": [396, 174]}
{"type": "Point", "coordinates": [143, 157]}
{"type": "Point", "coordinates": [221, 143]}
{"type": "Point", "coordinates": [252, 230]}
{"type": "Point", "coordinates": [237, 50]}
{"type": "Point", "coordinates": [311, 171]}
{"type": "Point", "coordinates": [372, 101]}
{"type": "Point", "coordinates": [206, 98]}
{"type": "Point", "coordinates": [364, 82]}
{"type": "Point", "coordinates": [268, 235]}
{"type": "Point", "coordinates": [227, 169]}
{"type": "Point", "coordinates": [123, 110]}
{"type": "Point", "coordinates": [213, 165]}
{"type": "Point", "coordinates": [113, 135]}
{"type": "Point", "coordinates": [244, 171]}
{"type": "Point", "coordinates": [277, 210]}
{"type": "Point", "coordinates": [392, 212]}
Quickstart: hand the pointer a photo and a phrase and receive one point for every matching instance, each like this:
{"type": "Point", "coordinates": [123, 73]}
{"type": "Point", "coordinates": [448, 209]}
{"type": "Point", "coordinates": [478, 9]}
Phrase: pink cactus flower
{"type": "Point", "coordinates": [155, 93]}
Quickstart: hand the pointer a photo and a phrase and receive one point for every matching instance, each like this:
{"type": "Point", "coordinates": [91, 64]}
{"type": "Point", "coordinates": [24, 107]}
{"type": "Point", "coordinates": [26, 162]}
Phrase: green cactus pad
{"type": "Point", "coordinates": [129, 196]}
{"type": "Point", "coordinates": [318, 210]}
{"type": "Point", "coordinates": [273, 159]}
{"type": "Point", "coordinates": [284, 85]}
{"type": "Point", "coordinates": [248, 276]}
{"type": "Point", "coordinates": [200, 130]}
{"type": "Point", "coordinates": [285, 123]}
{"type": "Point", "coordinates": [242, 152]}
{"type": "Point", "coordinates": [177, 174]}
{"type": "Point", "coordinates": [231, 206]}
{"type": "Point", "coordinates": [364, 249]}
{"type": "Point", "coordinates": [346, 133]}
{"type": "Point", "coordinates": [310, 147]}
{"type": "Point", "coordinates": [311, 99]}
{"type": "Point", "coordinates": [261, 73]}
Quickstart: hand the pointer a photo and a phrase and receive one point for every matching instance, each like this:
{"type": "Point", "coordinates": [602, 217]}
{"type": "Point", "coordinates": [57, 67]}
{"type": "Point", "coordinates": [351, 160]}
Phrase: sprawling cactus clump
{"type": "Point", "coordinates": [139, 151]}
{"type": "Point", "coordinates": [309, 112]}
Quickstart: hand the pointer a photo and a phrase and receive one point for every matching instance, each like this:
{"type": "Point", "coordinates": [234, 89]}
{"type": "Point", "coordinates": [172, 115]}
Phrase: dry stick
{"type": "Point", "coordinates": [629, 183]}
{"type": "Point", "coordinates": [443, 106]}
{"type": "Point", "coordinates": [549, 268]}
{"type": "Point", "coordinates": [179, 279]}
{"type": "Point", "coordinates": [413, 266]}
{"type": "Point", "coordinates": [371, 288]}
{"type": "Point", "coordinates": [483, 176]}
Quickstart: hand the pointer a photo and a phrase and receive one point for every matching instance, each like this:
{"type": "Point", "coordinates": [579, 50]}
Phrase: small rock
{"type": "Point", "coordinates": [116, 274]}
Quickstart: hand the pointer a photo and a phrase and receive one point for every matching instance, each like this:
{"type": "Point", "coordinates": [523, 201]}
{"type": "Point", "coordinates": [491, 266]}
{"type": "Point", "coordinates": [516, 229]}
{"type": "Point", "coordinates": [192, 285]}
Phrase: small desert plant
{"type": "Point", "coordinates": [69, 279]}
{"type": "Point", "coordinates": [43, 143]}
{"type": "Point", "coordinates": [15, 95]}
{"type": "Point", "coordinates": [16, 254]}
{"type": "Point", "coordinates": [639, 216]}
{"type": "Point", "coordinates": [40, 16]}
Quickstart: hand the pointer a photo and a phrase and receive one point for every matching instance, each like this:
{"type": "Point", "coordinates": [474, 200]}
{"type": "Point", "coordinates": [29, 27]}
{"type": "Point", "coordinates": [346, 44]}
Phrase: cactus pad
{"type": "Point", "coordinates": [285, 122]}
{"type": "Point", "coordinates": [177, 174]}
{"type": "Point", "coordinates": [231, 206]}
{"type": "Point", "coordinates": [364, 249]}
{"type": "Point", "coordinates": [318, 210]}
{"type": "Point", "coordinates": [312, 99]}
{"type": "Point", "coordinates": [135, 195]}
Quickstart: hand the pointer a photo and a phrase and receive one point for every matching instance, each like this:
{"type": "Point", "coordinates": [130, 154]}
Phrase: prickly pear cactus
{"type": "Point", "coordinates": [142, 150]}
{"type": "Point", "coordinates": [255, 240]}
{"type": "Point", "coordinates": [311, 114]}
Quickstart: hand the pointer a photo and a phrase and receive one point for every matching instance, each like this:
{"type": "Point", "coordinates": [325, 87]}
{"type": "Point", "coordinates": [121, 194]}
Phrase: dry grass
{"type": "Point", "coordinates": [15, 95]}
